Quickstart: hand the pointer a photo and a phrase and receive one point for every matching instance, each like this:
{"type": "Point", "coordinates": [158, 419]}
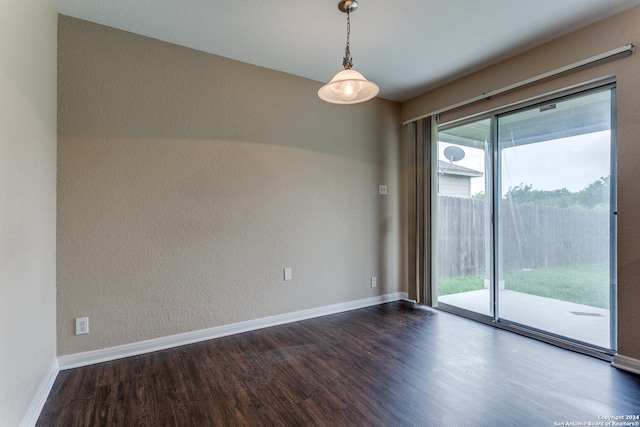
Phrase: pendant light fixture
{"type": "Point", "coordinates": [348, 86]}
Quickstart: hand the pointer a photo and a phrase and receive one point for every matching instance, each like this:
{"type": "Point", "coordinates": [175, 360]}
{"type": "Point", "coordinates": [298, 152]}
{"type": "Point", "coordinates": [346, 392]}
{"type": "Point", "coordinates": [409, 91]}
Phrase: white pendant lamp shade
{"type": "Point", "coordinates": [348, 87]}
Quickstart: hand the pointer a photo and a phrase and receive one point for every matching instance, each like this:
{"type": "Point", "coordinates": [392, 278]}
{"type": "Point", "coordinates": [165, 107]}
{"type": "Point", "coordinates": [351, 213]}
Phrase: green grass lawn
{"type": "Point", "coordinates": [582, 284]}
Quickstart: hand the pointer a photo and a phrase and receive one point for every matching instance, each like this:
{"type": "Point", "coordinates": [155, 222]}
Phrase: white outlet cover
{"type": "Point", "coordinates": [82, 325]}
{"type": "Point", "coordinates": [287, 274]}
{"type": "Point", "coordinates": [382, 189]}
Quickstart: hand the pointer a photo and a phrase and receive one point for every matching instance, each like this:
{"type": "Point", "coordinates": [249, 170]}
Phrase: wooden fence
{"type": "Point", "coordinates": [531, 237]}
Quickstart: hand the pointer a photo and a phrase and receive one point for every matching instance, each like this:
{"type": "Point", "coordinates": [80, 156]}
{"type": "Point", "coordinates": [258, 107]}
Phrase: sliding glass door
{"type": "Point", "coordinates": [531, 244]}
{"type": "Point", "coordinates": [554, 217]}
{"type": "Point", "coordinates": [463, 217]}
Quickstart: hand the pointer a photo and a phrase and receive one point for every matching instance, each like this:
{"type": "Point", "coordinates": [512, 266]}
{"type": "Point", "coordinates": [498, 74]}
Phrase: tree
{"type": "Point", "coordinates": [592, 197]}
{"type": "Point", "coordinates": [526, 195]}
{"type": "Point", "coordinates": [595, 194]}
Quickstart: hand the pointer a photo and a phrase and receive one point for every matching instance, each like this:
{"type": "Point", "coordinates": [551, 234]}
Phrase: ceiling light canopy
{"type": "Point", "coordinates": [348, 86]}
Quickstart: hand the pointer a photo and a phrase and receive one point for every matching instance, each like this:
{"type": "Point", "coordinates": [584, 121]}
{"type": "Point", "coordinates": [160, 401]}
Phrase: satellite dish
{"type": "Point", "coordinates": [453, 153]}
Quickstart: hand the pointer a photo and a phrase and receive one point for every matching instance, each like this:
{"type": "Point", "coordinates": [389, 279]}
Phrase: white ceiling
{"type": "Point", "coordinates": [405, 46]}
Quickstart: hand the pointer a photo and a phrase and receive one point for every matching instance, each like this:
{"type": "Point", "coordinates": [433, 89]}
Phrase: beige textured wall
{"type": "Point", "coordinates": [595, 39]}
{"type": "Point", "coordinates": [187, 182]}
{"type": "Point", "coordinates": [27, 202]}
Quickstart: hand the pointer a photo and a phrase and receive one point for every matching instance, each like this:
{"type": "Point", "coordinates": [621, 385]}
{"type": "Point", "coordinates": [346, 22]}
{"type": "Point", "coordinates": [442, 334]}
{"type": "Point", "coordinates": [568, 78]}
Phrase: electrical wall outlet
{"type": "Point", "coordinates": [382, 190]}
{"type": "Point", "coordinates": [82, 325]}
{"type": "Point", "coordinates": [374, 282]}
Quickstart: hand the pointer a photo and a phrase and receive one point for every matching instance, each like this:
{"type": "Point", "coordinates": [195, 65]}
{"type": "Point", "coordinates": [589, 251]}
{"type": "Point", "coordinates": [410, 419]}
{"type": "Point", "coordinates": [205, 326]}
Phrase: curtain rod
{"type": "Point", "coordinates": [626, 49]}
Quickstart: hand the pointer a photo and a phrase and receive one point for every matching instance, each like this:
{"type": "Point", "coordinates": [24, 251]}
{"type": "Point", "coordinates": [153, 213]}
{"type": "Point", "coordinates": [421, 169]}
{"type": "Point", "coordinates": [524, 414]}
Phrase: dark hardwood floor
{"type": "Point", "coordinates": [389, 365]}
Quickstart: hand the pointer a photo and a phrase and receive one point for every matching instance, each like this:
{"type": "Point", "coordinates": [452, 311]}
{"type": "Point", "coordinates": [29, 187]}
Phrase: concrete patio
{"type": "Point", "coordinates": [580, 322]}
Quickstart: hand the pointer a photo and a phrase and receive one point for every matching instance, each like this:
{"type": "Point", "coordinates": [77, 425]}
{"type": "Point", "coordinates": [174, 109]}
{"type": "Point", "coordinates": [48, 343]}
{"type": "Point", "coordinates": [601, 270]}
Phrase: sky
{"type": "Point", "coordinates": [571, 163]}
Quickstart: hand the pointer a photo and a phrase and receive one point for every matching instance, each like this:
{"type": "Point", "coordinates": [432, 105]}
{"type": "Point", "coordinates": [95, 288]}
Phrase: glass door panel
{"type": "Point", "coordinates": [463, 227]}
{"type": "Point", "coordinates": [554, 213]}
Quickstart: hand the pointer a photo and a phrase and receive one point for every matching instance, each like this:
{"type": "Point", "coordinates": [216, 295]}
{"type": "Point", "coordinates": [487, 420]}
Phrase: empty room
{"type": "Point", "coordinates": [330, 213]}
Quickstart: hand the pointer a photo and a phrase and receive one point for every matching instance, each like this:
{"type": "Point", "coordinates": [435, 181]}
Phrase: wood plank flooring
{"type": "Point", "coordinates": [388, 365]}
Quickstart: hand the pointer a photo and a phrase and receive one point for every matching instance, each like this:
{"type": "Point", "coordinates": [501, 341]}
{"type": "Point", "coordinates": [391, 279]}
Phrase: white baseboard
{"type": "Point", "coordinates": [104, 355]}
{"type": "Point", "coordinates": [40, 398]}
{"type": "Point", "coordinates": [626, 363]}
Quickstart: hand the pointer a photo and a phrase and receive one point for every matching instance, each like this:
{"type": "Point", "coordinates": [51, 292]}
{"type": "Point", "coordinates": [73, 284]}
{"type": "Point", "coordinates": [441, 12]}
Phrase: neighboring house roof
{"type": "Point", "coordinates": [452, 169]}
